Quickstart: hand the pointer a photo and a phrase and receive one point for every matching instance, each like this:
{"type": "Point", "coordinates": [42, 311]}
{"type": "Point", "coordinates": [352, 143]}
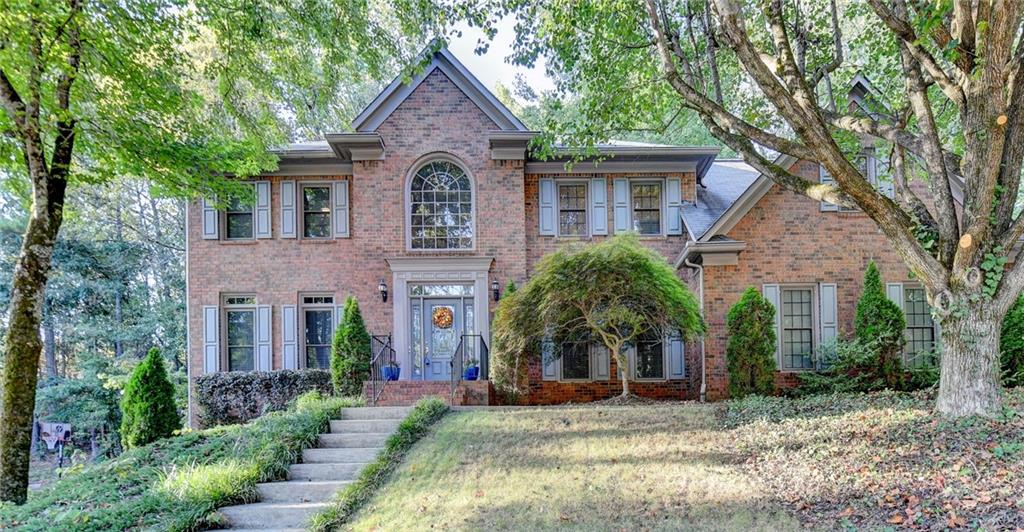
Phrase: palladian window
{"type": "Point", "coordinates": [441, 205]}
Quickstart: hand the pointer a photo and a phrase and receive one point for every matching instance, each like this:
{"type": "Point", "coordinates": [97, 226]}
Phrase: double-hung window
{"type": "Point", "coordinates": [572, 209]}
{"type": "Point", "coordinates": [920, 327]}
{"type": "Point", "coordinates": [797, 320]}
{"type": "Point", "coordinates": [316, 211]}
{"type": "Point", "coordinates": [238, 215]}
{"type": "Point", "coordinates": [646, 204]}
{"type": "Point", "coordinates": [650, 358]}
{"type": "Point", "coordinates": [318, 326]}
{"type": "Point", "coordinates": [575, 361]}
{"type": "Point", "coordinates": [240, 332]}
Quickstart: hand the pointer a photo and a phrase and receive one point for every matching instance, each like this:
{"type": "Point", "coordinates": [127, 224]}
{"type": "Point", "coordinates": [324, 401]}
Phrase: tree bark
{"type": "Point", "coordinates": [49, 345]}
{"type": "Point", "coordinates": [623, 368]}
{"type": "Point", "coordinates": [969, 380]}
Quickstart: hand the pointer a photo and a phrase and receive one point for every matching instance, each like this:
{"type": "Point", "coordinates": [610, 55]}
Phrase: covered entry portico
{"type": "Point", "coordinates": [436, 301]}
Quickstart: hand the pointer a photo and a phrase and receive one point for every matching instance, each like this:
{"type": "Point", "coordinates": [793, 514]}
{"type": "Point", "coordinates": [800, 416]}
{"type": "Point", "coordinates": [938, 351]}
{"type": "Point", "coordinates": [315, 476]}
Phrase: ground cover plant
{"type": "Point", "coordinates": [175, 483]}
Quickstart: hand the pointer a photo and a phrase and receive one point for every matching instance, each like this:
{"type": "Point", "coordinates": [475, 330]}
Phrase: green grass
{"type": "Point", "coordinates": [175, 483]}
{"type": "Point", "coordinates": [354, 496]}
{"type": "Point", "coordinates": [661, 467]}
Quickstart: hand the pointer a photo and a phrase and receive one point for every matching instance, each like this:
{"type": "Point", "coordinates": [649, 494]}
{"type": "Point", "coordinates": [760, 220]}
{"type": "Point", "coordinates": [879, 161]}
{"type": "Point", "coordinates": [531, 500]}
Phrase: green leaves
{"type": "Point", "coordinates": [750, 352]}
{"type": "Point", "coordinates": [148, 404]}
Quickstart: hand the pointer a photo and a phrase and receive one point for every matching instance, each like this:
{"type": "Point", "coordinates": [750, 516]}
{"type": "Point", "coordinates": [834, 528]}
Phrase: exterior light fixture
{"type": "Point", "coordinates": [382, 287]}
{"type": "Point", "coordinates": [494, 288]}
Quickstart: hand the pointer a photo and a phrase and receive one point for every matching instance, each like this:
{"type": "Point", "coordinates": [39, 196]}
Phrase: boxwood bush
{"type": "Point", "coordinates": [237, 397]}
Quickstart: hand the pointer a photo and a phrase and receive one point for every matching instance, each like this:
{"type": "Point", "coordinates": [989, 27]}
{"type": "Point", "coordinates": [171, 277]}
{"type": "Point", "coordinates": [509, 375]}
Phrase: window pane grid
{"type": "Point", "coordinates": [317, 334]}
{"type": "Point", "coordinates": [650, 360]}
{"type": "Point", "coordinates": [646, 208]}
{"type": "Point", "coordinates": [441, 207]}
{"type": "Point", "coordinates": [797, 329]}
{"type": "Point", "coordinates": [241, 340]}
{"type": "Point", "coordinates": [920, 327]}
{"type": "Point", "coordinates": [575, 361]}
{"type": "Point", "coordinates": [316, 211]}
{"type": "Point", "coordinates": [238, 216]}
{"type": "Point", "coordinates": [572, 209]}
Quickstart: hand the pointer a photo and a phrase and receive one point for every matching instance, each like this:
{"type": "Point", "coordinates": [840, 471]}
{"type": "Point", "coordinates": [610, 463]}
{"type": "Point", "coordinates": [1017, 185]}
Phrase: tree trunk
{"type": "Point", "coordinates": [50, 346]}
{"type": "Point", "coordinates": [969, 380]}
{"type": "Point", "coordinates": [623, 368]}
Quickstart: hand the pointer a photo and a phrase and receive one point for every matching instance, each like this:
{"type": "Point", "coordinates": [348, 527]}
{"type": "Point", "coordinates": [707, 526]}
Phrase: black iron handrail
{"type": "Point", "coordinates": [471, 352]}
{"type": "Point", "coordinates": [382, 355]}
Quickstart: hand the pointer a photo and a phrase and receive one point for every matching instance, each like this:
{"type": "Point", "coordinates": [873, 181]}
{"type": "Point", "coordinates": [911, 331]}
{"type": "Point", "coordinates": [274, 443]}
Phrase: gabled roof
{"type": "Point", "coordinates": [724, 183]}
{"type": "Point", "coordinates": [391, 97]}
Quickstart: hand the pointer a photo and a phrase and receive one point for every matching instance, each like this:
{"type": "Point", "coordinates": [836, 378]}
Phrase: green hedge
{"type": "Point", "coordinates": [176, 483]}
{"type": "Point", "coordinates": [348, 501]}
{"type": "Point", "coordinates": [229, 397]}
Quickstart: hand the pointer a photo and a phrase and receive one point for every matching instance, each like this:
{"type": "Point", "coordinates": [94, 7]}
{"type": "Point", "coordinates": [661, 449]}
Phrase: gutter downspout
{"type": "Point", "coordinates": [703, 355]}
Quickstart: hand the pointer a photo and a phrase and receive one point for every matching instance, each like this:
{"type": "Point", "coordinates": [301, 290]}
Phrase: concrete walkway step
{"type": "Point", "coordinates": [376, 412]}
{"type": "Point", "coordinates": [325, 471]}
{"type": "Point", "coordinates": [340, 455]}
{"type": "Point", "coordinates": [365, 439]}
{"type": "Point", "coordinates": [350, 426]}
{"type": "Point", "coordinates": [300, 490]}
{"type": "Point", "coordinates": [264, 515]}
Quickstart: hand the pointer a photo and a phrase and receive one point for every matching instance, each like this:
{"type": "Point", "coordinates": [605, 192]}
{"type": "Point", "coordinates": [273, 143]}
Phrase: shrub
{"type": "Point", "coordinates": [1011, 345]}
{"type": "Point", "coordinates": [848, 366]}
{"type": "Point", "coordinates": [148, 404]}
{"type": "Point", "coordinates": [350, 351]}
{"type": "Point", "coordinates": [750, 352]}
{"type": "Point", "coordinates": [880, 323]}
{"type": "Point", "coordinates": [237, 397]}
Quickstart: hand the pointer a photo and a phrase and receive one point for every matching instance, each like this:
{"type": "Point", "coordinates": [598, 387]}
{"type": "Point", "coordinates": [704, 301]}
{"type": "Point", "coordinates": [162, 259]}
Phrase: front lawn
{"type": "Point", "coordinates": [175, 483]}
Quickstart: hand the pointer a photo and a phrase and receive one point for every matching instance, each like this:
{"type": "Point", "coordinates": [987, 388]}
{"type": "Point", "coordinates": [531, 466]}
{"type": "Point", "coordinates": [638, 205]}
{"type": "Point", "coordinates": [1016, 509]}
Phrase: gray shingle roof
{"type": "Point", "coordinates": [726, 181]}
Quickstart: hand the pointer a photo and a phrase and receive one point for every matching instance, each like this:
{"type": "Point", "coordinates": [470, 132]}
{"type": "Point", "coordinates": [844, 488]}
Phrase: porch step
{"type": "Point", "coordinates": [264, 515]}
{"type": "Point", "coordinates": [299, 491]}
{"type": "Point", "coordinates": [339, 455]}
{"type": "Point", "coordinates": [348, 426]}
{"type": "Point", "coordinates": [365, 439]}
{"type": "Point", "coordinates": [325, 471]}
{"type": "Point", "coordinates": [375, 412]}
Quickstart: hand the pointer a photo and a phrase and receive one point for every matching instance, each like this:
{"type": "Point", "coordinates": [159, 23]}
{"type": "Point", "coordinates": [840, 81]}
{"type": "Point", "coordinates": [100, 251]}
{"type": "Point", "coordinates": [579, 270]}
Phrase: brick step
{"type": "Point", "coordinates": [345, 426]}
{"type": "Point", "coordinates": [325, 471]}
{"type": "Point", "coordinates": [365, 439]}
{"type": "Point", "coordinates": [271, 515]}
{"type": "Point", "coordinates": [375, 412]}
{"type": "Point", "coordinates": [300, 490]}
{"type": "Point", "coordinates": [340, 455]}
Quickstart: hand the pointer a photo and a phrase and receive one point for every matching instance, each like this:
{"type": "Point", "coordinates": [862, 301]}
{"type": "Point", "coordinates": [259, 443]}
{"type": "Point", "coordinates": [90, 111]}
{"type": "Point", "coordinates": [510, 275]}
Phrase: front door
{"type": "Point", "coordinates": [443, 326]}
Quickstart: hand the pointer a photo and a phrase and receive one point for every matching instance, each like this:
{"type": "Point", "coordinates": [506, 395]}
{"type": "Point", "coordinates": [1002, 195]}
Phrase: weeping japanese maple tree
{"type": "Point", "coordinates": [768, 77]}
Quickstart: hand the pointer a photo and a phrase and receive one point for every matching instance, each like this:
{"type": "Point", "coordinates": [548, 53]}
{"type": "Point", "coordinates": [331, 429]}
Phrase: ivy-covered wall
{"type": "Point", "coordinates": [239, 396]}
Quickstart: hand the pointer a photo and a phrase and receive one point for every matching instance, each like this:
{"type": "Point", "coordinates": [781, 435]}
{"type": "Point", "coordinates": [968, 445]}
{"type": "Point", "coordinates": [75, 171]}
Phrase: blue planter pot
{"type": "Point", "coordinates": [471, 374]}
{"type": "Point", "coordinates": [390, 373]}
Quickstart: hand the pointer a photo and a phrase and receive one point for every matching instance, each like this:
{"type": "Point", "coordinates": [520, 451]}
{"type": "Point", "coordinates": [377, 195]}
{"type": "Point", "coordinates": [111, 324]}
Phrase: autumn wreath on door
{"type": "Point", "coordinates": [442, 317]}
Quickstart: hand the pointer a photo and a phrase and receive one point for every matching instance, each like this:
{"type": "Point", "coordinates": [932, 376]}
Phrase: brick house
{"type": "Point", "coordinates": [433, 203]}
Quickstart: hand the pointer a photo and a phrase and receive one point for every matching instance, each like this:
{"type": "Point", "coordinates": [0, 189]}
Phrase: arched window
{"type": "Point", "coordinates": [441, 207]}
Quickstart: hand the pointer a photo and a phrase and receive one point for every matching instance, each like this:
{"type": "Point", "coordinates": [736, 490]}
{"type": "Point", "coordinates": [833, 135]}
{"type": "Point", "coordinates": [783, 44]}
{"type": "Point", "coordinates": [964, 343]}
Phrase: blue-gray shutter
{"type": "Point", "coordinates": [674, 194]}
{"type": "Point", "coordinates": [547, 206]}
{"type": "Point", "coordinates": [772, 294]}
{"type": "Point", "coordinates": [547, 355]}
{"type": "Point", "coordinates": [289, 337]}
{"type": "Point", "coordinates": [288, 215]}
{"type": "Point", "coordinates": [826, 179]}
{"type": "Point", "coordinates": [676, 358]}
{"type": "Point", "coordinates": [341, 209]}
{"type": "Point", "coordinates": [620, 193]}
{"type": "Point", "coordinates": [262, 229]}
{"type": "Point", "coordinates": [601, 360]}
{"type": "Point", "coordinates": [828, 317]}
{"type": "Point", "coordinates": [211, 339]}
{"type": "Point", "coordinates": [210, 221]}
{"type": "Point", "coordinates": [263, 338]}
{"type": "Point", "coordinates": [599, 206]}
{"type": "Point", "coordinates": [894, 291]}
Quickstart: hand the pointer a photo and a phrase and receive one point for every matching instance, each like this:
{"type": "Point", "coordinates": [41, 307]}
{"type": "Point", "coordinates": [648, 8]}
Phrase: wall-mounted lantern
{"type": "Point", "coordinates": [382, 287]}
{"type": "Point", "coordinates": [494, 288]}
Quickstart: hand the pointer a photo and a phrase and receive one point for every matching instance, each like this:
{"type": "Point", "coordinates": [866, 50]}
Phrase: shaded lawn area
{"type": "Point", "coordinates": [660, 467]}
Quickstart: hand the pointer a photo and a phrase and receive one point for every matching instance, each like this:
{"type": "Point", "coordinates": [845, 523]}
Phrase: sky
{"type": "Point", "coordinates": [492, 68]}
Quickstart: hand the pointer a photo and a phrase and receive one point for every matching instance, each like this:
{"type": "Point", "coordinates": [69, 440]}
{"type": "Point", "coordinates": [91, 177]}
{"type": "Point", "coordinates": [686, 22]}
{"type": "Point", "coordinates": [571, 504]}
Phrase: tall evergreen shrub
{"type": "Point", "coordinates": [1011, 345]}
{"type": "Point", "coordinates": [147, 407]}
{"type": "Point", "coordinates": [880, 323]}
{"type": "Point", "coordinates": [750, 352]}
{"type": "Point", "coordinates": [350, 351]}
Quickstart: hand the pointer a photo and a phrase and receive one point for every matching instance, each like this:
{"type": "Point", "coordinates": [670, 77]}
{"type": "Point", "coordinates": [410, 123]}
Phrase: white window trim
{"type": "Point", "coordinates": [590, 366]}
{"type": "Point", "coordinates": [301, 318]}
{"type": "Point", "coordinates": [300, 209]}
{"type": "Point", "coordinates": [225, 358]}
{"type": "Point", "coordinates": [664, 365]}
{"type": "Point", "coordinates": [586, 206]}
{"type": "Point", "coordinates": [663, 210]}
{"type": "Point", "coordinates": [815, 326]}
{"type": "Point", "coordinates": [474, 198]}
{"type": "Point", "coordinates": [223, 219]}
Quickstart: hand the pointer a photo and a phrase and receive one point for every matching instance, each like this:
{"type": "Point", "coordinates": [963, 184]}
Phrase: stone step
{"type": "Point", "coordinates": [365, 439]}
{"type": "Point", "coordinates": [325, 471]}
{"type": "Point", "coordinates": [344, 426]}
{"type": "Point", "coordinates": [271, 515]}
{"type": "Point", "coordinates": [375, 412]}
{"type": "Point", "coordinates": [263, 529]}
{"type": "Point", "coordinates": [340, 455]}
{"type": "Point", "coordinates": [300, 490]}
